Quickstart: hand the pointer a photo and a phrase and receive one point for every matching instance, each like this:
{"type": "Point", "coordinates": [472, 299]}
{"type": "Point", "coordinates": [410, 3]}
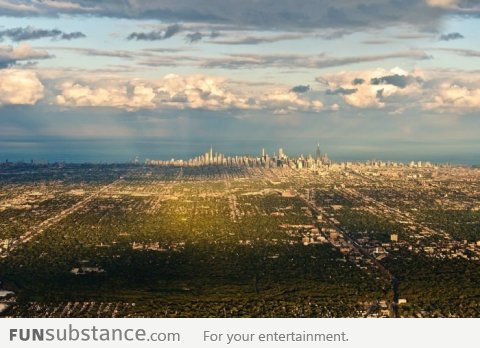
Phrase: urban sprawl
{"type": "Point", "coordinates": [240, 236]}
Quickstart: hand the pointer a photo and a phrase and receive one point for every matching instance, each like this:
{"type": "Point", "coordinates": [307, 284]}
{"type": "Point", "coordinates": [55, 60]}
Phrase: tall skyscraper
{"type": "Point", "coordinates": [325, 159]}
{"type": "Point", "coordinates": [318, 154]}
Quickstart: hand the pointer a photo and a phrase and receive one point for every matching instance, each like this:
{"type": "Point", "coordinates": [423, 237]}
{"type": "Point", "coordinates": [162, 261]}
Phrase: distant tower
{"type": "Point", "coordinates": [325, 159]}
{"type": "Point", "coordinates": [211, 152]}
{"type": "Point", "coordinates": [263, 152]}
{"type": "Point", "coordinates": [318, 154]}
{"type": "Point", "coordinates": [280, 153]}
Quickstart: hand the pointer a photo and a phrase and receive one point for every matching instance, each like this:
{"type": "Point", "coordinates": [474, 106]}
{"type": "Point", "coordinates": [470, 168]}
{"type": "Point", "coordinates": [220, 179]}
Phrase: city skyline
{"type": "Point", "coordinates": [312, 160]}
{"type": "Point", "coordinates": [83, 82]}
{"type": "Point", "coordinates": [277, 159]}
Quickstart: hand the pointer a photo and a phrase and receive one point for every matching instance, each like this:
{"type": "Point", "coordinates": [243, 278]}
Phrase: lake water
{"type": "Point", "coordinates": [124, 150]}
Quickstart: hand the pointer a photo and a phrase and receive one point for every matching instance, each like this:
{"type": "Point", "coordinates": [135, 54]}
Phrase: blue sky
{"type": "Point", "coordinates": [379, 78]}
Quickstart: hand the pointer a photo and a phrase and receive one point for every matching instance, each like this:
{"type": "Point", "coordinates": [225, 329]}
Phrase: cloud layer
{"type": "Point", "coordinates": [285, 14]}
{"type": "Point", "coordinates": [393, 90]}
{"type": "Point", "coordinates": [397, 89]}
{"type": "Point", "coordinates": [182, 92]}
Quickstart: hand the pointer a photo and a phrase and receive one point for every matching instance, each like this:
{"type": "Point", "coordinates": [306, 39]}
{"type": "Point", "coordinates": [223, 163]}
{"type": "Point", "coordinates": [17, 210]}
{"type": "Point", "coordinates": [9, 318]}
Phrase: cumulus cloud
{"type": "Point", "coordinates": [283, 102]}
{"type": "Point", "coordinates": [172, 91]}
{"type": "Point", "coordinates": [372, 88]}
{"type": "Point", "coordinates": [127, 96]}
{"type": "Point", "coordinates": [182, 92]}
{"type": "Point", "coordinates": [440, 91]}
{"type": "Point", "coordinates": [454, 96]}
{"type": "Point", "coordinates": [451, 36]}
{"type": "Point", "coordinates": [396, 90]}
{"type": "Point", "coordinates": [30, 33]}
{"type": "Point", "coordinates": [156, 35]}
{"type": "Point", "coordinates": [10, 55]}
{"type": "Point", "coordinates": [19, 87]}
{"type": "Point", "coordinates": [198, 91]}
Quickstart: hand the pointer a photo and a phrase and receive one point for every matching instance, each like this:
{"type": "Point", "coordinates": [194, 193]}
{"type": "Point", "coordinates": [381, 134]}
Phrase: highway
{"type": "Point", "coordinates": [384, 271]}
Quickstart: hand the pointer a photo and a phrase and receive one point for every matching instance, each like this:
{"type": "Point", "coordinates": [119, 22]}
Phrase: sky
{"type": "Point", "coordinates": [89, 80]}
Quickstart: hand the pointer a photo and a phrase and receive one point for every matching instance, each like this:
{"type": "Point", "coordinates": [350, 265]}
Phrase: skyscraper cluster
{"type": "Point", "coordinates": [277, 160]}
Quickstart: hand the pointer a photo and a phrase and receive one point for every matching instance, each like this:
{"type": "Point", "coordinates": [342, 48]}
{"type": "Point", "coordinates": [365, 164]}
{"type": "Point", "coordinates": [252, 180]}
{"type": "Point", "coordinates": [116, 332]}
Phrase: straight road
{"type": "Point", "coordinates": [39, 229]}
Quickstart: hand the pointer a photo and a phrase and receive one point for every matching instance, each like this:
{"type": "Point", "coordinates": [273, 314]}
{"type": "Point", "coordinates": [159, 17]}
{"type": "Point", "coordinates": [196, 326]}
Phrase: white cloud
{"type": "Point", "coordinates": [396, 89]}
{"type": "Point", "coordinates": [172, 91]}
{"type": "Point", "coordinates": [182, 92]}
{"type": "Point", "coordinates": [19, 87]}
{"type": "Point", "coordinates": [198, 91]}
{"type": "Point", "coordinates": [284, 101]}
{"type": "Point", "coordinates": [453, 96]}
{"type": "Point", "coordinates": [129, 96]}
{"type": "Point", "coordinates": [373, 88]}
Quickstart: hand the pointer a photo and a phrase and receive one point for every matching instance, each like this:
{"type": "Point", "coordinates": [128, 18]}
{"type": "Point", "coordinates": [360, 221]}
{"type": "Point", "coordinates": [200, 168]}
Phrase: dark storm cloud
{"type": "Point", "coordinates": [30, 33]}
{"type": "Point", "coordinates": [451, 36]}
{"type": "Point", "coordinates": [156, 35]}
{"type": "Point", "coordinates": [400, 81]}
{"type": "Point", "coordinates": [214, 34]}
{"type": "Point", "coordinates": [283, 15]}
{"type": "Point", "coordinates": [74, 35]}
{"type": "Point", "coordinates": [171, 30]}
{"type": "Point", "coordinates": [199, 36]}
{"type": "Point", "coordinates": [300, 89]}
{"type": "Point", "coordinates": [358, 81]}
{"type": "Point", "coordinates": [340, 91]}
{"type": "Point", "coordinates": [194, 37]}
